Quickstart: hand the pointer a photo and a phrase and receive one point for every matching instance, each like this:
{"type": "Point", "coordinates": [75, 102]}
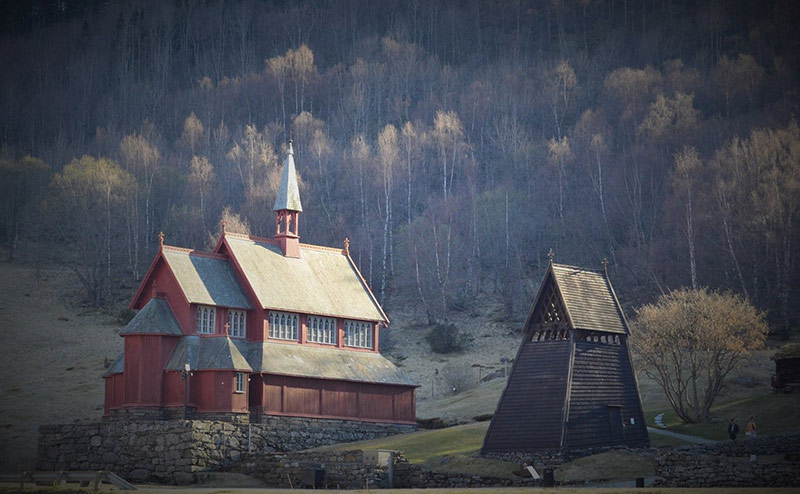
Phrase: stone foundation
{"type": "Point", "coordinates": [175, 451]}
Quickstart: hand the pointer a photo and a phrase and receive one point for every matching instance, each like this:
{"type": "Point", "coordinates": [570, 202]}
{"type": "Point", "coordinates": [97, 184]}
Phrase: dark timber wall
{"type": "Point", "coordinates": [532, 406]}
{"type": "Point", "coordinates": [603, 391]}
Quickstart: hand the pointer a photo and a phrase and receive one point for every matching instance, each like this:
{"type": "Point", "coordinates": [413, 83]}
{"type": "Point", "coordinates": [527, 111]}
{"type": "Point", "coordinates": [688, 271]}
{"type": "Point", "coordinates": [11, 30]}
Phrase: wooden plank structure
{"type": "Point", "coordinates": [572, 384]}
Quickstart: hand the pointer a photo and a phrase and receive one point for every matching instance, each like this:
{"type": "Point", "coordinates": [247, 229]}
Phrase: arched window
{"type": "Point", "coordinates": [322, 330]}
{"type": "Point", "coordinates": [358, 334]}
{"type": "Point", "coordinates": [283, 326]}
{"type": "Point", "coordinates": [205, 319]}
{"type": "Point", "coordinates": [237, 323]}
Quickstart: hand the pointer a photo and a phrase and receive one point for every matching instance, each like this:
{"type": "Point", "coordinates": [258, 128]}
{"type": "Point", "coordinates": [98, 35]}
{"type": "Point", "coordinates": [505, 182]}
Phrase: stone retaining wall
{"type": "Point", "coordinates": [343, 469]}
{"type": "Point", "coordinates": [174, 451]}
{"type": "Point", "coordinates": [749, 462]}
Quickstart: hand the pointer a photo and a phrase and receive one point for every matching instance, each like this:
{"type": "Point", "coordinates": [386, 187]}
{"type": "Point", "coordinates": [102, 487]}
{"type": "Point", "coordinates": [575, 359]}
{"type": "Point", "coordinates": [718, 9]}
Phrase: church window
{"type": "Point", "coordinates": [205, 319]}
{"type": "Point", "coordinates": [283, 326]}
{"type": "Point", "coordinates": [237, 323]}
{"type": "Point", "coordinates": [322, 330]}
{"type": "Point", "coordinates": [358, 334]}
{"type": "Point", "coordinates": [240, 378]}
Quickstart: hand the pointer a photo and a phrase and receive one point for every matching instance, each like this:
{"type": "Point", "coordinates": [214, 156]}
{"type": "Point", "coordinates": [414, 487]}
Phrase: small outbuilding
{"type": "Point", "coordinates": [572, 385]}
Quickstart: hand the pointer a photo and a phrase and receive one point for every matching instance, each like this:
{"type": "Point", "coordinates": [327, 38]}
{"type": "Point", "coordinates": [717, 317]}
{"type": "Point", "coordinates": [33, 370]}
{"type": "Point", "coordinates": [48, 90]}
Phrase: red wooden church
{"type": "Point", "coordinates": [259, 327]}
{"type": "Point", "coordinates": [572, 385]}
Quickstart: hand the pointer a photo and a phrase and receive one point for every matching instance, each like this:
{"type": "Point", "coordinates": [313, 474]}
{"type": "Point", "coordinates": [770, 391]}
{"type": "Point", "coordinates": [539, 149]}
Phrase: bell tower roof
{"type": "Point", "coordinates": [288, 193]}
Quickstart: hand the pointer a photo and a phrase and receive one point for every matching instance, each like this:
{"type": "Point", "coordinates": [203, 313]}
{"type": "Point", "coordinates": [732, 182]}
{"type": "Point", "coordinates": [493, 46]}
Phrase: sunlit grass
{"type": "Point", "coordinates": [422, 446]}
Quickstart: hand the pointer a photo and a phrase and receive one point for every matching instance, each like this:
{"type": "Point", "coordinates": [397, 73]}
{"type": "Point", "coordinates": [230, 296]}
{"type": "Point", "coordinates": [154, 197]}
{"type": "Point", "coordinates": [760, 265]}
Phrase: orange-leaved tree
{"type": "Point", "coordinates": [689, 341]}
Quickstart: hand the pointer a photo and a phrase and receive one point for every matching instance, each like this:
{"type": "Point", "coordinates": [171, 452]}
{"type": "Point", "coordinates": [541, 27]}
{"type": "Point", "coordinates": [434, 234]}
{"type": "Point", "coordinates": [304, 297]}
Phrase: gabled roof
{"type": "Point", "coordinates": [589, 299]}
{"type": "Point", "coordinates": [207, 353]}
{"type": "Point", "coordinates": [205, 279]}
{"type": "Point", "coordinates": [321, 281]}
{"type": "Point", "coordinates": [288, 194]}
{"type": "Point", "coordinates": [116, 367]}
{"type": "Point", "coordinates": [155, 318]}
{"type": "Point", "coordinates": [325, 363]}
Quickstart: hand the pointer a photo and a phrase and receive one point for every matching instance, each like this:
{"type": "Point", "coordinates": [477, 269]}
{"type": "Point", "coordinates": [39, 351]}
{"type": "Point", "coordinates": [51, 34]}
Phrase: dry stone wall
{"type": "Point", "coordinates": [750, 462]}
{"type": "Point", "coordinates": [175, 451]}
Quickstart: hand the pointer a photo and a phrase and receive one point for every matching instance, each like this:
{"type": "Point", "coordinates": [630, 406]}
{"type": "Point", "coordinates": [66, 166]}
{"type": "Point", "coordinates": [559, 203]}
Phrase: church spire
{"type": "Point", "coordinates": [288, 208]}
{"type": "Point", "coordinates": [288, 193]}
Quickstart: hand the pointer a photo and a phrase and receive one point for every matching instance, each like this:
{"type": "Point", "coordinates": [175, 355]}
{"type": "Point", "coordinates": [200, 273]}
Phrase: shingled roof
{"type": "Point", "coordinates": [205, 279]}
{"type": "Point", "coordinates": [207, 353]}
{"type": "Point", "coordinates": [325, 363]}
{"type": "Point", "coordinates": [321, 281]}
{"type": "Point", "coordinates": [155, 318]}
{"type": "Point", "coordinates": [288, 193]}
{"type": "Point", "coordinates": [589, 299]}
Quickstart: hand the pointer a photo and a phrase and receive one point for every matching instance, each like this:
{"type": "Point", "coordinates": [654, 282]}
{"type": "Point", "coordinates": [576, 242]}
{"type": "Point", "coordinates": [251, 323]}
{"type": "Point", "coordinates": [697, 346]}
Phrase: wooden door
{"type": "Point", "coordinates": [615, 421]}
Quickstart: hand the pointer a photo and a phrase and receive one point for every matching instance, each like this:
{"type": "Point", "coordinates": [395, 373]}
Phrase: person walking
{"type": "Point", "coordinates": [733, 429]}
{"type": "Point", "coordinates": [751, 427]}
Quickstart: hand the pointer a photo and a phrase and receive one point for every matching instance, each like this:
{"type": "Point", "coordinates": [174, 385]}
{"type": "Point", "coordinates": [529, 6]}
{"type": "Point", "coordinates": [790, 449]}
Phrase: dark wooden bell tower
{"type": "Point", "coordinates": [572, 385]}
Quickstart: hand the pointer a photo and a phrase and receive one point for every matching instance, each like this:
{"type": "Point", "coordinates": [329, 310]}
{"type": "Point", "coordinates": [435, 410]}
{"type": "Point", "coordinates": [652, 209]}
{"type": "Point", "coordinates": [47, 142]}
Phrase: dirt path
{"type": "Point", "coordinates": [51, 360]}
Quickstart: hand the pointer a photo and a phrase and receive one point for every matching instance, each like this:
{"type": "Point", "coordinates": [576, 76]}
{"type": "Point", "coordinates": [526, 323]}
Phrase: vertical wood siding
{"type": "Point", "coordinates": [530, 413]}
{"type": "Point", "coordinates": [602, 377]}
{"type": "Point", "coordinates": [337, 399]}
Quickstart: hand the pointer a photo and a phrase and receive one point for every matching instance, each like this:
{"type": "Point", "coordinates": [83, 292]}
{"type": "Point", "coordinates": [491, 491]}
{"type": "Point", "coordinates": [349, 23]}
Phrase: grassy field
{"type": "Point", "coordinates": [775, 414]}
{"type": "Point", "coordinates": [454, 450]}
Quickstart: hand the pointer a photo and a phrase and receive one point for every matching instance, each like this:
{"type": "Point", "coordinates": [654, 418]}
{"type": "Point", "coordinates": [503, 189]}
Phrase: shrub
{"type": "Point", "coordinates": [459, 377]}
{"type": "Point", "coordinates": [445, 338]}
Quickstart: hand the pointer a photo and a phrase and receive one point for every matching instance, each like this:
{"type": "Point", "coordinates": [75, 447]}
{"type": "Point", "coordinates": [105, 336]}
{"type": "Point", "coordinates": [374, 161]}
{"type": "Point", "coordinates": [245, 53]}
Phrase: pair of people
{"type": "Point", "coordinates": [750, 430]}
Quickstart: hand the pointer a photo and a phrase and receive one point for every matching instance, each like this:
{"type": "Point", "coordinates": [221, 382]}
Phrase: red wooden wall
{"type": "Point", "coordinates": [296, 396]}
{"type": "Point", "coordinates": [115, 391]}
{"type": "Point", "coordinates": [145, 358]}
{"type": "Point", "coordinates": [163, 282]}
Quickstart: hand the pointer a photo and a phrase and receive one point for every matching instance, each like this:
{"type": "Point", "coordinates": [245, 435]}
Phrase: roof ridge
{"type": "Point", "coordinates": [255, 238]}
{"type": "Point", "coordinates": [195, 252]}
{"type": "Point", "coordinates": [324, 248]}
{"type": "Point", "coordinates": [559, 265]}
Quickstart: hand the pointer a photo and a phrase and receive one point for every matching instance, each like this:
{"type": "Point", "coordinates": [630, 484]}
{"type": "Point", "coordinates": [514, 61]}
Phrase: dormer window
{"type": "Point", "coordinates": [237, 323]}
{"type": "Point", "coordinates": [322, 330]}
{"type": "Point", "coordinates": [205, 319]}
{"type": "Point", "coordinates": [358, 334]}
{"type": "Point", "coordinates": [284, 326]}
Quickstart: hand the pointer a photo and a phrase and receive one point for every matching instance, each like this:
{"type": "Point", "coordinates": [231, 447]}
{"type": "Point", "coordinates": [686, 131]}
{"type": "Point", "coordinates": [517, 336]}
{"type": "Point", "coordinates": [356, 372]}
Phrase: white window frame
{"type": "Point", "coordinates": [206, 319]}
{"type": "Point", "coordinates": [237, 321]}
{"type": "Point", "coordinates": [284, 326]}
{"type": "Point", "coordinates": [358, 334]}
{"type": "Point", "coordinates": [322, 330]}
{"type": "Point", "coordinates": [239, 383]}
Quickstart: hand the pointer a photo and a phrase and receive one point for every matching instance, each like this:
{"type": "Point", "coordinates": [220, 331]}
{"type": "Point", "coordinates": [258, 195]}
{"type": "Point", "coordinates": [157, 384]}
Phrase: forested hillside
{"type": "Point", "coordinates": [453, 142]}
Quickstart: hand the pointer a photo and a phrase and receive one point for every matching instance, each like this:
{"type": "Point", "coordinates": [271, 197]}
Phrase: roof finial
{"type": "Point", "coordinates": [605, 265]}
{"type": "Point", "coordinates": [290, 151]}
{"type": "Point", "coordinates": [161, 239]}
{"type": "Point", "coordinates": [347, 246]}
{"type": "Point", "coordinates": [551, 255]}
{"type": "Point", "coordinates": [227, 328]}
{"type": "Point", "coordinates": [224, 225]}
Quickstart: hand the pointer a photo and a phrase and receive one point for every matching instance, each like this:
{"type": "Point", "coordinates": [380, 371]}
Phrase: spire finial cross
{"type": "Point", "coordinates": [227, 328]}
{"type": "Point", "coordinates": [551, 255]}
{"type": "Point", "coordinates": [347, 246]}
{"type": "Point", "coordinates": [161, 239]}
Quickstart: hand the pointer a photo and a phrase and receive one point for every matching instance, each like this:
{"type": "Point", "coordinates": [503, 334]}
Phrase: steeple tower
{"type": "Point", "coordinates": [288, 208]}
